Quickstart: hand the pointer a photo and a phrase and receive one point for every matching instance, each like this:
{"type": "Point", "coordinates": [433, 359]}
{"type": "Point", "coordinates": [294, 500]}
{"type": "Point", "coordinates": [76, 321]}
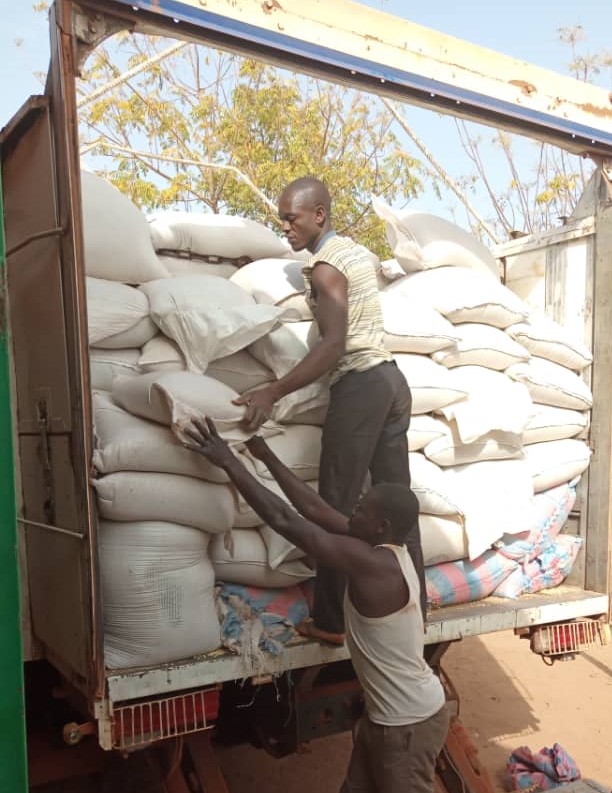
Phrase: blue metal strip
{"type": "Point", "coordinates": [594, 140]}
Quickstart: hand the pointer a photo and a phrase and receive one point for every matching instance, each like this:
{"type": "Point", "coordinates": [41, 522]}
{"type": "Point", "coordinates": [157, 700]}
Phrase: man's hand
{"type": "Point", "coordinates": [259, 405]}
{"type": "Point", "coordinates": [207, 442]}
{"type": "Point", "coordinates": [258, 448]}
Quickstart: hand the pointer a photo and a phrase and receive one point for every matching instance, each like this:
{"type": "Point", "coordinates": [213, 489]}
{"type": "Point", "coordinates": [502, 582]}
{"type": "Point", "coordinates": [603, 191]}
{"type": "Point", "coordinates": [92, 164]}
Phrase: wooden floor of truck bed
{"type": "Point", "coordinates": [444, 624]}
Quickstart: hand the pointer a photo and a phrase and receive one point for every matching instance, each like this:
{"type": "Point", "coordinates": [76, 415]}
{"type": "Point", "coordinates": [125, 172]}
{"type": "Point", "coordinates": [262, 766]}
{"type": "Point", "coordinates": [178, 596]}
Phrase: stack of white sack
{"type": "Point", "coordinates": [171, 522]}
{"type": "Point", "coordinates": [148, 474]}
{"type": "Point", "coordinates": [497, 400]}
{"type": "Point", "coordinates": [118, 255]}
{"type": "Point", "coordinates": [210, 244]}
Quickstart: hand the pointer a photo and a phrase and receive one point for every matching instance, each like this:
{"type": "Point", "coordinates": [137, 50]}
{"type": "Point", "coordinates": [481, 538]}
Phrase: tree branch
{"type": "Point", "coordinates": [442, 173]}
{"type": "Point", "coordinates": [146, 156]}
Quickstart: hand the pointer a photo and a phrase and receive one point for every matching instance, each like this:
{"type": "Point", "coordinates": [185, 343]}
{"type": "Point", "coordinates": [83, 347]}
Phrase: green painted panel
{"type": "Point", "coordinates": [13, 763]}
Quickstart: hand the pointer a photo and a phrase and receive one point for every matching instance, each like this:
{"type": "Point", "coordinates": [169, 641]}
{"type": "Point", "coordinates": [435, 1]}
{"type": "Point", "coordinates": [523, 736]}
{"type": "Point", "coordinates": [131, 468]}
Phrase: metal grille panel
{"type": "Point", "coordinates": [570, 637]}
{"type": "Point", "coordinates": [139, 723]}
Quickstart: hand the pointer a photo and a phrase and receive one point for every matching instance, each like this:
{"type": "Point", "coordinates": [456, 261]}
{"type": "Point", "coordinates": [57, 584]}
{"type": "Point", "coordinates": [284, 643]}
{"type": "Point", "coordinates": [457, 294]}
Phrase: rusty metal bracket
{"type": "Point", "coordinates": [44, 450]}
{"type": "Point", "coordinates": [89, 29]}
{"type": "Point", "coordinates": [606, 171]}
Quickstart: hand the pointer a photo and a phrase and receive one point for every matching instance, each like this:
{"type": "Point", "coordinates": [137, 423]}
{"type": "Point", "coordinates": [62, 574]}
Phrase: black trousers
{"type": "Point", "coordinates": [365, 431]}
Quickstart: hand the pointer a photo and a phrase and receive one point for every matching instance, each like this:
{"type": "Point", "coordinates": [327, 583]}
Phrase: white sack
{"type": "Point", "coordinates": [301, 414]}
{"type": "Point", "coordinates": [279, 549]}
{"type": "Point", "coordinates": [554, 462]}
{"type": "Point", "coordinates": [391, 270]}
{"type": "Point", "coordinates": [245, 516]}
{"type": "Point", "coordinates": [277, 282]}
{"type": "Point", "coordinates": [106, 365]}
{"type": "Point", "coordinates": [421, 241]}
{"type": "Point", "coordinates": [206, 234]}
{"type": "Point", "coordinates": [285, 346]}
{"type": "Point", "coordinates": [449, 449]}
{"type": "Point", "coordinates": [481, 345]}
{"type": "Point", "coordinates": [249, 563]}
{"type": "Point", "coordinates": [494, 402]}
{"type": "Point", "coordinates": [442, 538]}
{"type": "Point", "coordinates": [552, 384]}
{"type": "Point", "coordinates": [410, 327]}
{"type": "Point", "coordinates": [240, 371]}
{"type": "Point", "coordinates": [161, 355]}
{"type": "Point", "coordinates": [117, 243]}
{"type": "Point", "coordinates": [112, 308]}
{"type": "Point", "coordinates": [157, 593]}
{"type": "Point", "coordinates": [281, 350]}
{"type": "Point", "coordinates": [135, 496]}
{"type": "Point", "coordinates": [554, 424]}
{"type": "Point", "coordinates": [298, 448]}
{"type": "Point", "coordinates": [462, 295]}
{"type": "Point", "coordinates": [545, 338]}
{"type": "Point", "coordinates": [164, 397]}
{"type": "Point", "coordinates": [531, 289]}
{"type": "Point", "coordinates": [208, 317]}
{"type": "Point", "coordinates": [136, 336]}
{"type": "Point", "coordinates": [432, 385]}
{"type": "Point", "coordinates": [496, 498]}
{"type": "Point", "coordinates": [307, 405]}
{"type": "Point", "coordinates": [128, 443]}
{"type": "Point", "coordinates": [433, 489]}
{"type": "Point", "coordinates": [184, 265]}
{"type": "Point", "coordinates": [424, 429]}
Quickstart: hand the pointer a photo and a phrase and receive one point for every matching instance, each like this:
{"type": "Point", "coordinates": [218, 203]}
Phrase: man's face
{"type": "Point", "coordinates": [365, 522]}
{"type": "Point", "coordinates": [301, 220]}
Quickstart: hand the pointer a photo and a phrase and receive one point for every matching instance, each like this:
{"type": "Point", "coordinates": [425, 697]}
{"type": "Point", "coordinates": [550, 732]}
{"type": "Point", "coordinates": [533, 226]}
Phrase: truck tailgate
{"type": "Point", "coordinates": [445, 624]}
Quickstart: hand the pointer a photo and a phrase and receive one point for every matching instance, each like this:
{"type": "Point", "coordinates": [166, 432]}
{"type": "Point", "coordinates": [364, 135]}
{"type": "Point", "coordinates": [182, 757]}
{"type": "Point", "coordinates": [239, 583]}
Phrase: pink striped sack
{"type": "Point", "coordinates": [552, 508]}
{"type": "Point", "coordinates": [547, 570]}
{"type": "Point", "coordinates": [464, 581]}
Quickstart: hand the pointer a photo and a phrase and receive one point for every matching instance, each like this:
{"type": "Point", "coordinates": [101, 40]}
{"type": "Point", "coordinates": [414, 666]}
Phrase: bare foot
{"type": "Point", "coordinates": [309, 629]}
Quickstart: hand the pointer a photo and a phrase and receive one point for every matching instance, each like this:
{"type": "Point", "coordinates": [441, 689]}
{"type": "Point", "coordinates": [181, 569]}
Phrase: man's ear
{"type": "Point", "coordinates": [384, 526]}
{"type": "Point", "coordinates": [320, 215]}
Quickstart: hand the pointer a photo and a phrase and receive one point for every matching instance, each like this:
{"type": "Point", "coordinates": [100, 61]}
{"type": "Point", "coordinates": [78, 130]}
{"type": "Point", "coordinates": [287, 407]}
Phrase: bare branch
{"type": "Point", "coordinates": [442, 173]}
{"type": "Point", "coordinates": [147, 156]}
{"type": "Point", "coordinates": [141, 67]}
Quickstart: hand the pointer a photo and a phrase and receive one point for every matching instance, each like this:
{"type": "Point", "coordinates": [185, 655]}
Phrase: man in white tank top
{"type": "Point", "coordinates": [406, 719]}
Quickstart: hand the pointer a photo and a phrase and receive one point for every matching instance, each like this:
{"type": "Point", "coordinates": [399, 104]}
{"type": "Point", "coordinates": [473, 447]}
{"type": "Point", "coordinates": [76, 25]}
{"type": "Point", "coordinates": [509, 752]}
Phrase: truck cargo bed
{"type": "Point", "coordinates": [445, 624]}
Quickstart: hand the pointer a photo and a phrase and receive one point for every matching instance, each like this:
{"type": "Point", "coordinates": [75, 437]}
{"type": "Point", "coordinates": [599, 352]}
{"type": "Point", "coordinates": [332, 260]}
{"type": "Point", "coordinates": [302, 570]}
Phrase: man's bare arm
{"type": "Point", "coordinates": [332, 312]}
{"type": "Point", "coordinates": [344, 553]}
{"type": "Point", "coordinates": [308, 503]}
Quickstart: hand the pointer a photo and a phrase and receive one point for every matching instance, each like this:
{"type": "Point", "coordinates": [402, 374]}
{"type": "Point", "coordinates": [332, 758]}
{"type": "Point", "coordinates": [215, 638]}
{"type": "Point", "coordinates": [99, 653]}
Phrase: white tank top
{"type": "Point", "coordinates": [387, 654]}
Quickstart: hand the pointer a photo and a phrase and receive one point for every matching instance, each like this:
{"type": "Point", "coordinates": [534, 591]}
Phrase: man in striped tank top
{"type": "Point", "coordinates": [370, 401]}
{"type": "Point", "coordinates": [406, 718]}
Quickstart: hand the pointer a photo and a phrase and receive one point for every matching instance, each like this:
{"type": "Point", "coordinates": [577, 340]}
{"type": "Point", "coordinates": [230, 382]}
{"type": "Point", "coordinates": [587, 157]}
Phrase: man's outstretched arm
{"type": "Point", "coordinates": [344, 553]}
{"type": "Point", "coordinates": [332, 311]}
{"type": "Point", "coordinates": [307, 502]}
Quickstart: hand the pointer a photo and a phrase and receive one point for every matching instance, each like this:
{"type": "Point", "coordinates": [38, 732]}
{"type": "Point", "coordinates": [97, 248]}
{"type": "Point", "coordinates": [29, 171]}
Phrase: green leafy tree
{"type": "Point", "coordinates": [190, 127]}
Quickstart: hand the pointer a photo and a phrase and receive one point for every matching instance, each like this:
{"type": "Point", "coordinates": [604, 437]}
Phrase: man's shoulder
{"type": "Point", "coordinates": [343, 253]}
{"type": "Point", "coordinates": [337, 243]}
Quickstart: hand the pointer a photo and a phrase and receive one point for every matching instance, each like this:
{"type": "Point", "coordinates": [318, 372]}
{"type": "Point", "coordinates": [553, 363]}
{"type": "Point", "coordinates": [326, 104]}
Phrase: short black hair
{"type": "Point", "coordinates": [398, 504]}
{"type": "Point", "coordinates": [314, 188]}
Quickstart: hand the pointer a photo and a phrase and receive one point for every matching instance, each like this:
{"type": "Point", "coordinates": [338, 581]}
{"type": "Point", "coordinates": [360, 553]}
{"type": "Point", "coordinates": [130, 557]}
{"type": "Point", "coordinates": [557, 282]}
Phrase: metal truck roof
{"type": "Point", "coordinates": [347, 42]}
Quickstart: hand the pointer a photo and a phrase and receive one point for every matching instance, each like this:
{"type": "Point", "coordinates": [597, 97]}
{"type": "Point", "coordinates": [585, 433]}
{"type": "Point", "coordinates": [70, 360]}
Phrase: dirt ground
{"type": "Point", "coordinates": [509, 698]}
